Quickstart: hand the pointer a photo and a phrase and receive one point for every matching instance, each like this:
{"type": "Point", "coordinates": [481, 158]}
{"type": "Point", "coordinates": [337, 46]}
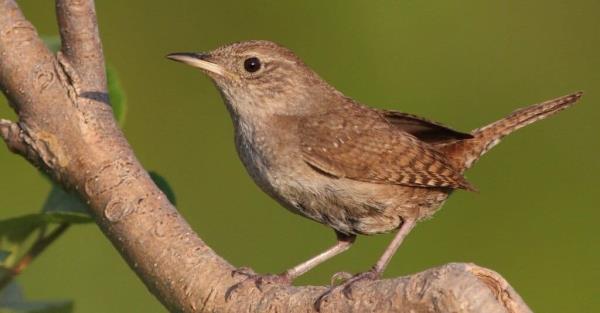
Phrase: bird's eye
{"type": "Point", "coordinates": [252, 64]}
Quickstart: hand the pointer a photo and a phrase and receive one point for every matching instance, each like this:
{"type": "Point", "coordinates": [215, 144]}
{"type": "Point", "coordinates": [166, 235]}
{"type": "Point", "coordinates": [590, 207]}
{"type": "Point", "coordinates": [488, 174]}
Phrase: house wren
{"type": "Point", "coordinates": [324, 156]}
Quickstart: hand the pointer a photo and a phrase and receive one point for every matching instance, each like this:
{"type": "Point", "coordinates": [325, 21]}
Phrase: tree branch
{"type": "Point", "coordinates": [66, 127]}
{"type": "Point", "coordinates": [81, 44]}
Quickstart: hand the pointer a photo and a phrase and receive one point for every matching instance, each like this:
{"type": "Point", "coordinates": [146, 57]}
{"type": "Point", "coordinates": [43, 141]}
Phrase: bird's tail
{"type": "Point", "coordinates": [464, 153]}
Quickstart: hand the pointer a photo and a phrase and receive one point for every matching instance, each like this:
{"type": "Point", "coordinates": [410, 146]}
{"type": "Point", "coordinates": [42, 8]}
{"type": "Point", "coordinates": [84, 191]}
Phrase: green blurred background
{"type": "Point", "coordinates": [464, 63]}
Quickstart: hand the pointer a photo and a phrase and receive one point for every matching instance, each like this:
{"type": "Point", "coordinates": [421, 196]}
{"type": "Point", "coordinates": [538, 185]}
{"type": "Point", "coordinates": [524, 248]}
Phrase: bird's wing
{"type": "Point", "coordinates": [363, 146]}
{"type": "Point", "coordinates": [423, 129]}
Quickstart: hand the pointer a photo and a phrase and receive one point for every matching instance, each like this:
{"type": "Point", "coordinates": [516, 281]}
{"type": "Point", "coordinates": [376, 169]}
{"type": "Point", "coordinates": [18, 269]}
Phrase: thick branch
{"type": "Point", "coordinates": [23, 55]}
{"type": "Point", "coordinates": [67, 126]}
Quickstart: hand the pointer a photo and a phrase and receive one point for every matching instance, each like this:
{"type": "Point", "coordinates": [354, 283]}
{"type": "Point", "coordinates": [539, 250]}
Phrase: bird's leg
{"type": "Point", "coordinates": [343, 243]}
{"type": "Point", "coordinates": [376, 270]}
{"type": "Point", "coordinates": [389, 252]}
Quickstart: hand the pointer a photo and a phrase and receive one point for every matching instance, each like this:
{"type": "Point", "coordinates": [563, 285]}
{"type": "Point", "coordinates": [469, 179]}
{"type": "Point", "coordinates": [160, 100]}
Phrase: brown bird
{"type": "Point", "coordinates": [331, 159]}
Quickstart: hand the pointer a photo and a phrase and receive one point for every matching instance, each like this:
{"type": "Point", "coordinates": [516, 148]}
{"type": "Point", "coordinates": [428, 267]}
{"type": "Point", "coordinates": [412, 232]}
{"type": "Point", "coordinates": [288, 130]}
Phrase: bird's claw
{"type": "Point", "coordinates": [340, 278]}
{"type": "Point", "coordinates": [259, 280]}
{"type": "Point", "coordinates": [345, 287]}
{"type": "Point", "coordinates": [243, 271]}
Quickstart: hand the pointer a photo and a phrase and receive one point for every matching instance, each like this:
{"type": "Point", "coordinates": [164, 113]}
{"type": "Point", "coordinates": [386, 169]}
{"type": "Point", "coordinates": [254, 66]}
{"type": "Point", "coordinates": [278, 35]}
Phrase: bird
{"type": "Point", "coordinates": [324, 156]}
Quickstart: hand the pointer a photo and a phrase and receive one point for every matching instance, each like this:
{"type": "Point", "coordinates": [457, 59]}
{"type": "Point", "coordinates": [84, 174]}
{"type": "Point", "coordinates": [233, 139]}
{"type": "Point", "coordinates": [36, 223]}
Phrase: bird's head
{"type": "Point", "coordinates": [260, 77]}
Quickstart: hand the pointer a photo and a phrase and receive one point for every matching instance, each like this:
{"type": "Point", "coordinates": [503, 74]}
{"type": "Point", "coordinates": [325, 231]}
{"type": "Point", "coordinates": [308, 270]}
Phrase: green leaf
{"type": "Point", "coordinates": [12, 301]}
{"type": "Point", "coordinates": [61, 203]}
{"type": "Point", "coordinates": [3, 255]}
{"type": "Point", "coordinates": [52, 42]}
{"type": "Point", "coordinates": [162, 183]}
{"type": "Point", "coordinates": [116, 95]}
{"type": "Point", "coordinates": [67, 217]}
{"type": "Point", "coordinates": [16, 233]}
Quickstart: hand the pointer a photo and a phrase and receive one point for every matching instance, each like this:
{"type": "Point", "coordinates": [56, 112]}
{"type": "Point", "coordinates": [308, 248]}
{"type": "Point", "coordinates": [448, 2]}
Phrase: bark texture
{"type": "Point", "coordinates": [66, 127]}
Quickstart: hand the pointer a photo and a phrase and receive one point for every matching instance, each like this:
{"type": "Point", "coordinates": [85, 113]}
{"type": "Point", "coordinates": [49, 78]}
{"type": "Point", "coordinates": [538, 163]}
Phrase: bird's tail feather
{"type": "Point", "coordinates": [464, 153]}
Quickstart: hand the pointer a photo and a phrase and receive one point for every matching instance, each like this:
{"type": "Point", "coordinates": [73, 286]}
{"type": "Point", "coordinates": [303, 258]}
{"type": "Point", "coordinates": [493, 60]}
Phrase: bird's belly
{"type": "Point", "coordinates": [354, 207]}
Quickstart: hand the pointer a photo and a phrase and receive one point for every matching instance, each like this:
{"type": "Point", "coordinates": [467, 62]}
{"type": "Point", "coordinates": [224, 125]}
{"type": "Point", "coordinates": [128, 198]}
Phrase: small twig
{"type": "Point", "coordinates": [38, 247]}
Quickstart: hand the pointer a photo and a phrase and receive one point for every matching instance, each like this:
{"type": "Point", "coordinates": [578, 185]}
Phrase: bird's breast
{"type": "Point", "coordinates": [268, 157]}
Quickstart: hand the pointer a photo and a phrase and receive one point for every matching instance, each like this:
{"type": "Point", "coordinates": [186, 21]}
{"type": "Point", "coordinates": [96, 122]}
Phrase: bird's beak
{"type": "Point", "coordinates": [198, 60]}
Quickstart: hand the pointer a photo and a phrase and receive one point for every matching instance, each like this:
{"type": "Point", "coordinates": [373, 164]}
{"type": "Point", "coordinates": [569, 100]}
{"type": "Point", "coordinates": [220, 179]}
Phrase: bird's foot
{"type": "Point", "coordinates": [259, 281]}
{"type": "Point", "coordinates": [345, 287]}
